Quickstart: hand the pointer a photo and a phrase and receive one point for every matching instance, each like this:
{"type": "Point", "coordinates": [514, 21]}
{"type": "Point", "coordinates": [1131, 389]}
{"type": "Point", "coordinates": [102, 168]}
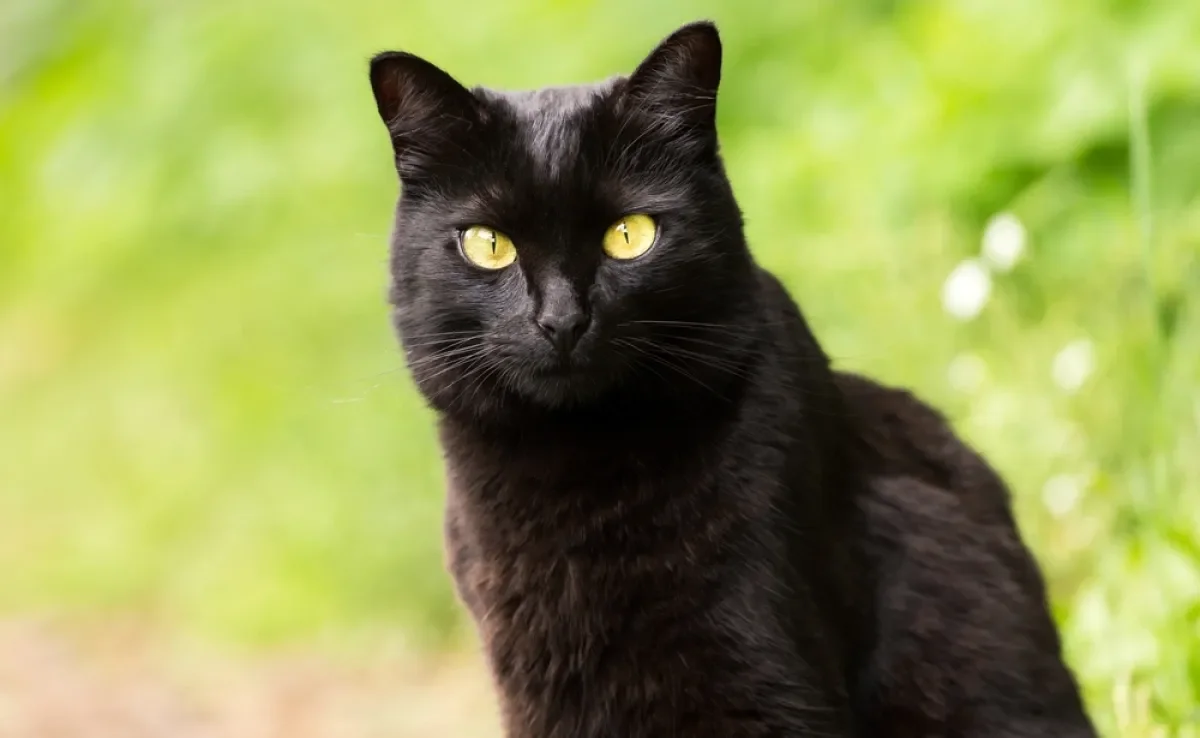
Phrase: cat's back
{"type": "Point", "coordinates": [965, 643]}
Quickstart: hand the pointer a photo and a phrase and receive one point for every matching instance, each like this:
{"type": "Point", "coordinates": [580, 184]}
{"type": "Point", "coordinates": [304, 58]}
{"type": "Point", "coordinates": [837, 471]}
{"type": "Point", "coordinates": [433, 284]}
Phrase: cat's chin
{"type": "Point", "coordinates": [560, 386]}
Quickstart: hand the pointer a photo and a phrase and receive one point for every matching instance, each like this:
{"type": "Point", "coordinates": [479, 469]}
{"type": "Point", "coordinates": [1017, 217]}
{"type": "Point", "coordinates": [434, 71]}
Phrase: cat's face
{"type": "Point", "coordinates": [564, 246]}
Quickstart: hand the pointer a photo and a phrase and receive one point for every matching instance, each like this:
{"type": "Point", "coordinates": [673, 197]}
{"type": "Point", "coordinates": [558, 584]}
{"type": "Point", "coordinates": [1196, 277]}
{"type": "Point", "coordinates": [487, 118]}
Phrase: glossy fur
{"type": "Point", "coordinates": [689, 524]}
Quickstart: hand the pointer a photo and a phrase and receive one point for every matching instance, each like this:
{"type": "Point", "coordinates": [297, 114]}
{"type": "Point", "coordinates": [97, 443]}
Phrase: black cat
{"type": "Point", "coordinates": [666, 513]}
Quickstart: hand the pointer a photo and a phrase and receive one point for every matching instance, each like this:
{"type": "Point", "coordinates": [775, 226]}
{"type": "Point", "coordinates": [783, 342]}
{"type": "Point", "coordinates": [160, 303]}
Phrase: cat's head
{"type": "Point", "coordinates": [565, 246]}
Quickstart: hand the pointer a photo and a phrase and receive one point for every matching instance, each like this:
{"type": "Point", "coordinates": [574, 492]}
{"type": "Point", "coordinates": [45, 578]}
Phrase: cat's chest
{"type": "Point", "coordinates": [559, 553]}
{"type": "Point", "coordinates": [558, 569]}
{"type": "Point", "coordinates": [612, 595]}
{"type": "Point", "coordinates": [617, 623]}
{"type": "Point", "coordinates": [568, 537]}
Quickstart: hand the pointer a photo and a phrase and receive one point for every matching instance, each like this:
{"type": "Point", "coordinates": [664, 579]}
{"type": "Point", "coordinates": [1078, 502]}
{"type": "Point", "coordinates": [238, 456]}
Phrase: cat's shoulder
{"type": "Point", "coordinates": [891, 413]}
{"type": "Point", "coordinates": [906, 443]}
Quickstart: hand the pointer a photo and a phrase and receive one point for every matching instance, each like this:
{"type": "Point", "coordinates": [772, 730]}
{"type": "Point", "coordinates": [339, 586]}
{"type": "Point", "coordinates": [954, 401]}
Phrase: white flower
{"type": "Point", "coordinates": [1073, 365]}
{"type": "Point", "coordinates": [966, 290]}
{"type": "Point", "coordinates": [1004, 240]}
{"type": "Point", "coordinates": [1062, 492]}
{"type": "Point", "coordinates": [966, 372]}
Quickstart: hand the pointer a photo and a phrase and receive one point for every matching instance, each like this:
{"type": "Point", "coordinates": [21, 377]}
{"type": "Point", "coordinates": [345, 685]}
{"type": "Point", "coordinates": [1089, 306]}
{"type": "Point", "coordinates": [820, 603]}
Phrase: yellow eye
{"type": "Point", "coordinates": [630, 237]}
{"type": "Point", "coordinates": [488, 248]}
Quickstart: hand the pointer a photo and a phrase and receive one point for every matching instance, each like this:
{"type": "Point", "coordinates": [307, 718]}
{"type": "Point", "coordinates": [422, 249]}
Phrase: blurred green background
{"type": "Point", "coordinates": [205, 425]}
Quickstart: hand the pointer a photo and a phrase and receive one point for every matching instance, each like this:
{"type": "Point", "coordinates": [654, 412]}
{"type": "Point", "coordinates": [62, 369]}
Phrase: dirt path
{"type": "Point", "coordinates": [60, 684]}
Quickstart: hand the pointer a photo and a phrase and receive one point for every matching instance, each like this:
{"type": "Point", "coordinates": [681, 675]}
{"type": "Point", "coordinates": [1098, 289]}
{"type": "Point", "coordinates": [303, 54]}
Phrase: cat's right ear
{"type": "Point", "coordinates": [678, 81]}
{"type": "Point", "coordinates": [423, 107]}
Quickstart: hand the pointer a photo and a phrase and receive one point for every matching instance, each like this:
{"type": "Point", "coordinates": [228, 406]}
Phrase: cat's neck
{"type": "Point", "coordinates": [616, 434]}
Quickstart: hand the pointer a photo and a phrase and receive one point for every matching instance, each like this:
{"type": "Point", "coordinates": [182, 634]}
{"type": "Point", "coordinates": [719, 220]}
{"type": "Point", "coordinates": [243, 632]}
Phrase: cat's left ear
{"type": "Point", "coordinates": [680, 78]}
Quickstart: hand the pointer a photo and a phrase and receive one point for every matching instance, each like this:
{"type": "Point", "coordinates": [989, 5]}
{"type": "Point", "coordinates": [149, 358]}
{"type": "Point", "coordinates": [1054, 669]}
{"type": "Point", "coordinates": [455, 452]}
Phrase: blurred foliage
{"type": "Point", "coordinates": [203, 415]}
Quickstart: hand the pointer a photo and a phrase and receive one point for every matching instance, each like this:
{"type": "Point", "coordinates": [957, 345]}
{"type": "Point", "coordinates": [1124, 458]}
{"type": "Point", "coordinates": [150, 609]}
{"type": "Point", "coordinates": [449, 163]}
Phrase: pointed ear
{"type": "Point", "coordinates": [422, 106]}
{"type": "Point", "coordinates": [680, 77]}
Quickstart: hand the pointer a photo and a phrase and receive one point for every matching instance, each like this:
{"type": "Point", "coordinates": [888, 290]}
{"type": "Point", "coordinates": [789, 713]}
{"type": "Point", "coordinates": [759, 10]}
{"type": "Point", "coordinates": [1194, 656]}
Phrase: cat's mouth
{"type": "Point", "coordinates": [563, 368]}
{"type": "Point", "coordinates": [567, 378]}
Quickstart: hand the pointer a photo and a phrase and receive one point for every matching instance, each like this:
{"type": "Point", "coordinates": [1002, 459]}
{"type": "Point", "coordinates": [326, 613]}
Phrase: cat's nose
{"type": "Point", "coordinates": [564, 329]}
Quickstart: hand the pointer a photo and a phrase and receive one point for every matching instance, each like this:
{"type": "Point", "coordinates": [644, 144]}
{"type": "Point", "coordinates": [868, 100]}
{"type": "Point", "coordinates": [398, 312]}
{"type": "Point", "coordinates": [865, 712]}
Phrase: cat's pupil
{"type": "Point", "coordinates": [625, 232]}
{"type": "Point", "coordinates": [493, 244]}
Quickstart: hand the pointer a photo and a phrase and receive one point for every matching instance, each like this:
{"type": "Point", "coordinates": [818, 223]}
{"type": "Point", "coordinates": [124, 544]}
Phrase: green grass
{"type": "Point", "coordinates": [203, 416]}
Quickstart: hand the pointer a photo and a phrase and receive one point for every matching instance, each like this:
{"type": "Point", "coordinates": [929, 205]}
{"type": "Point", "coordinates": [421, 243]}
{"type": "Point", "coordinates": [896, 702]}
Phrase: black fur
{"type": "Point", "coordinates": [690, 525]}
